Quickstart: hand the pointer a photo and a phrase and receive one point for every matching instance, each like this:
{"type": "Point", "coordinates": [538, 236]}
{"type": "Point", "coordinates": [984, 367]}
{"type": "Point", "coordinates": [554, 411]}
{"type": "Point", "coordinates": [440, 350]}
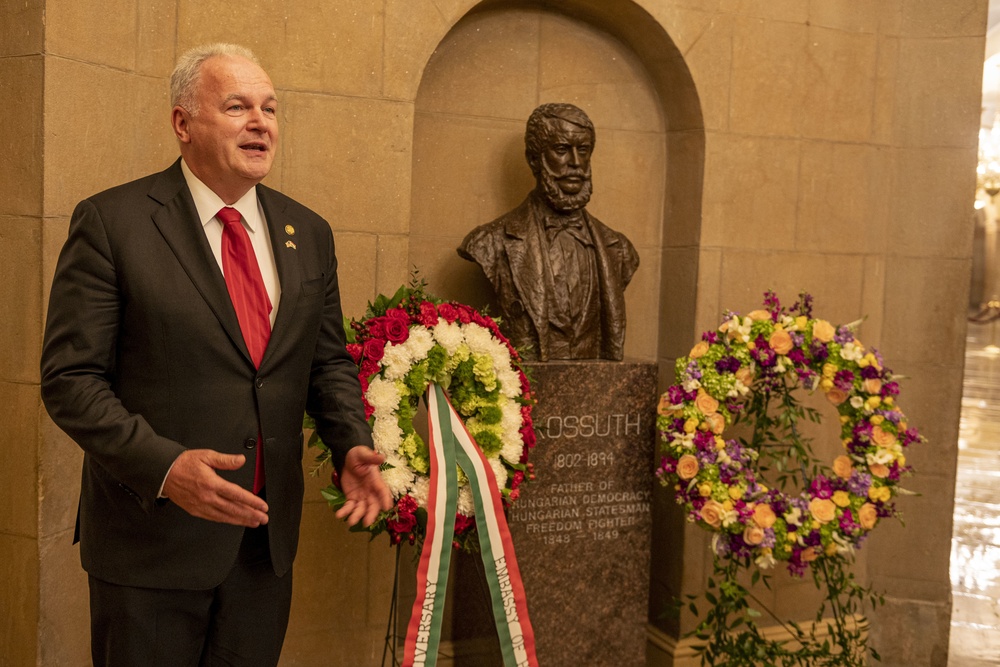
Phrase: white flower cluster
{"type": "Point", "coordinates": [386, 392]}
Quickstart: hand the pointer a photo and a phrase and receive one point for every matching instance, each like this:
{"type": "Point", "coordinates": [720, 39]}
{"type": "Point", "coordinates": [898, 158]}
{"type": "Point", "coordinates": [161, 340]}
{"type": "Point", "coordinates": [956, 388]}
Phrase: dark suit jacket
{"type": "Point", "coordinates": [512, 253]}
{"type": "Point", "coordinates": [143, 358]}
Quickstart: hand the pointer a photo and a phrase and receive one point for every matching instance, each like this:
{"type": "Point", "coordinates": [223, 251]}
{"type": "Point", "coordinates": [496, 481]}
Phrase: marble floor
{"type": "Point", "coordinates": [975, 547]}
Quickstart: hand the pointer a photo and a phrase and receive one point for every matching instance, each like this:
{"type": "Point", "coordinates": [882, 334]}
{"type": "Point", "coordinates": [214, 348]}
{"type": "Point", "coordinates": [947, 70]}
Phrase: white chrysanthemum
{"type": "Point", "coordinates": [510, 381]}
{"type": "Point", "coordinates": [499, 472]}
{"type": "Point", "coordinates": [387, 435]}
{"type": "Point", "coordinates": [399, 477]}
{"type": "Point", "coordinates": [419, 343]}
{"type": "Point", "coordinates": [397, 361]}
{"type": "Point", "coordinates": [466, 504]}
{"type": "Point", "coordinates": [512, 449]}
{"type": "Point", "coordinates": [383, 395]}
{"type": "Point", "coordinates": [421, 490]}
{"type": "Point", "coordinates": [449, 336]}
{"type": "Point", "coordinates": [479, 340]}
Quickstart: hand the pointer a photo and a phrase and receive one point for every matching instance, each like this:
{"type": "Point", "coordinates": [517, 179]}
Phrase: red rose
{"type": "Point", "coordinates": [355, 351]}
{"type": "Point", "coordinates": [398, 314]}
{"type": "Point", "coordinates": [463, 523]}
{"type": "Point", "coordinates": [428, 314]}
{"type": "Point", "coordinates": [448, 312]}
{"type": "Point", "coordinates": [397, 330]}
{"type": "Point", "coordinates": [376, 327]}
{"type": "Point", "coordinates": [374, 349]}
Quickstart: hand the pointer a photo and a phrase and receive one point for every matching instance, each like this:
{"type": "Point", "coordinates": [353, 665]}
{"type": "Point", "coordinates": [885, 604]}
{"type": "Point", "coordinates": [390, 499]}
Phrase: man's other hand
{"type": "Point", "coordinates": [362, 483]}
{"type": "Point", "coordinates": [193, 484]}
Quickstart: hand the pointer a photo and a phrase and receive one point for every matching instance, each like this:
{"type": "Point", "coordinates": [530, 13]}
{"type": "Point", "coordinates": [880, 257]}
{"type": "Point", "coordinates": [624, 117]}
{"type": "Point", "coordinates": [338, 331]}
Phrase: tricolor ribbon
{"type": "Point", "coordinates": [450, 445]}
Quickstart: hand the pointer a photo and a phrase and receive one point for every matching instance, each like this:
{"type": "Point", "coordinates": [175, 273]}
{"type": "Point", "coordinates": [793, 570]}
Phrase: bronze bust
{"type": "Point", "coordinates": [559, 273]}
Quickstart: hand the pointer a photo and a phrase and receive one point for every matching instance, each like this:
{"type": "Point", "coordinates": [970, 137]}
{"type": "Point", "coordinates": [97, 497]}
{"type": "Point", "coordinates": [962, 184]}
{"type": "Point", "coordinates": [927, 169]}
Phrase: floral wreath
{"type": "Point", "coordinates": [716, 479]}
{"type": "Point", "coordinates": [401, 346]}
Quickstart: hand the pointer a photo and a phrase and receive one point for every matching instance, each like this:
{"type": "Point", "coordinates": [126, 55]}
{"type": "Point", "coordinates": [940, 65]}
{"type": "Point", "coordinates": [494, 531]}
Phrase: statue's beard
{"type": "Point", "coordinates": [555, 197]}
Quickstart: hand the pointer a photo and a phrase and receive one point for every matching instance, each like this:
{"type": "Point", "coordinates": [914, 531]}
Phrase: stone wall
{"type": "Point", "coordinates": [825, 146]}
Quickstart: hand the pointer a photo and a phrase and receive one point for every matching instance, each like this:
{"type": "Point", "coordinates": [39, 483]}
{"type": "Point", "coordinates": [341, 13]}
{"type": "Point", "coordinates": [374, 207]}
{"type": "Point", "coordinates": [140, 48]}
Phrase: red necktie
{"type": "Point", "coordinates": [253, 307]}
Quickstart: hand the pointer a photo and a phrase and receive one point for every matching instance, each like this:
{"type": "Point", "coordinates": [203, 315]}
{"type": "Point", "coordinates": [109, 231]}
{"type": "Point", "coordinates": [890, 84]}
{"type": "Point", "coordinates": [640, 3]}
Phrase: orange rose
{"type": "Point", "coordinates": [823, 509]}
{"type": "Point", "coordinates": [823, 331]}
{"type": "Point", "coordinates": [711, 513]}
{"type": "Point", "coordinates": [836, 395]}
{"type": "Point", "coordinates": [745, 375]}
{"type": "Point", "coordinates": [809, 554]}
{"type": "Point", "coordinates": [716, 423]}
{"type": "Point", "coordinates": [706, 403]}
{"type": "Point", "coordinates": [882, 438]}
{"type": "Point", "coordinates": [753, 535]}
{"type": "Point", "coordinates": [759, 315]}
{"type": "Point", "coordinates": [781, 342]}
{"type": "Point", "coordinates": [698, 350]}
{"type": "Point", "coordinates": [867, 516]}
{"type": "Point", "coordinates": [687, 467]}
{"type": "Point", "coordinates": [763, 515]}
{"type": "Point", "coordinates": [843, 467]}
{"type": "Point", "coordinates": [879, 470]}
{"type": "Point", "coordinates": [664, 406]}
{"type": "Point", "coordinates": [872, 386]}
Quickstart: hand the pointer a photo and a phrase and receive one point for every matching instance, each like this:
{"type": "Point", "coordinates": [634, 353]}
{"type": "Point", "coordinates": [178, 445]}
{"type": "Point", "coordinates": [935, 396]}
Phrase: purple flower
{"type": "Point", "coordinates": [710, 337]}
{"type": "Point", "coordinates": [772, 304]}
{"type": "Point", "coordinates": [804, 305]}
{"type": "Point", "coordinates": [844, 380]}
{"type": "Point", "coordinates": [797, 356]}
{"type": "Point", "coordinates": [890, 389]}
{"type": "Point", "coordinates": [819, 351]}
{"type": "Point", "coordinates": [821, 487]}
{"type": "Point", "coordinates": [727, 364]}
{"type": "Point", "coordinates": [676, 394]}
{"type": "Point", "coordinates": [870, 373]}
{"type": "Point", "coordinates": [692, 370]}
{"type": "Point", "coordinates": [859, 483]}
{"type": "Point", "coordinates": [847, 524]}
{"type": "Point", "coordinates": [843, 335]}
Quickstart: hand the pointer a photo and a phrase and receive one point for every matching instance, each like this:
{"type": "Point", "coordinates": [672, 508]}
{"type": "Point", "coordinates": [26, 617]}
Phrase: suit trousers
{"type": "Point", "coordinates": [240, 623]}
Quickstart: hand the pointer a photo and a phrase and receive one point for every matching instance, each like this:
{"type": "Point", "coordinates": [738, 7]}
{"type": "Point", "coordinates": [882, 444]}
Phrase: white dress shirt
{"type": "Point", "coordinates": [208, 204]}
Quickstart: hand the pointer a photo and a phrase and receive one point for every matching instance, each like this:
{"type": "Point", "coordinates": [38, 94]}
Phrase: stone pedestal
{"type": "Point", "coordinates": [582, 528]}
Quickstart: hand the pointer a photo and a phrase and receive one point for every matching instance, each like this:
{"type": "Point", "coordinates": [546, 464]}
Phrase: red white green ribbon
{"type": "Point", "coordinates": [451, 444]}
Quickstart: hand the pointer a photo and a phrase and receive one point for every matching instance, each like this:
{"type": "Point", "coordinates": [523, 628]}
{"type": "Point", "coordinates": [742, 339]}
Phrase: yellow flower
{"type": "Point", "coordinates": [826, 384]}
{"type": "Point", "coordinates": [876, 420]}
{"type": "Point", "coordinates": [719, 442]}
{"type": "Point", "coordinates": [735, 492]}
{"type": "Point", "coordinates": [728, 505]}
{"type": "Point", "coordinates": [844, 419]}
{"type": "Point", "coordinates": [690, 425]}
{"type": "Point", "coordinates": [823, 331]}
{"type": "Point", "coordinates": [867, 516]}
{"type": "Point", "coordinates": [699, 350]}
{"type": "Point", "coordinates": [830, 549]}
{"type": "Point", "coordinates": [800, 322]}
{"type": "Point", "coordinates": [888, 400]}
{"type": "Point", "coordinates": [841, 498]}
{"type": "Point", "coordinates": [873, 402]}
{"type": "Point", "coordinates": [829, 370]}
{"type": "Point", "coordinates": [705, 489]}
{"type": "Point", "coordinates": [687, 467]}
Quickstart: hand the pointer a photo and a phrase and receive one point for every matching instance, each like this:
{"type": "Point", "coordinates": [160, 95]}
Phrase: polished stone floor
{"type": "Point", "coordinates": [975, 547]}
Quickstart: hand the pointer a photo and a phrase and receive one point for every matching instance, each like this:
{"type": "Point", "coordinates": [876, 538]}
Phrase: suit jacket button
{"type": "Point", "coordinates": [250, 443]}
{"type": "Point", "coordinates": [259, 382]}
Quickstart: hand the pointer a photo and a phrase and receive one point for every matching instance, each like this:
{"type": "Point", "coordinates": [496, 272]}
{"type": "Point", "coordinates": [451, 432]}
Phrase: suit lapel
{"type": "Point", "coordinates": [177, 221]}
{"type": "Point", "coordinates": [287, 262]}
{"type": "Point", "coordinates": [525, 252]}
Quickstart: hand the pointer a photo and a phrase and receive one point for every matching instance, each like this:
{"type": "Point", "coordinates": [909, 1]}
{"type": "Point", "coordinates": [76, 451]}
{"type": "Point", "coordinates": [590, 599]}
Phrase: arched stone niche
{"type": "Point", "coordinates": [612, 59]}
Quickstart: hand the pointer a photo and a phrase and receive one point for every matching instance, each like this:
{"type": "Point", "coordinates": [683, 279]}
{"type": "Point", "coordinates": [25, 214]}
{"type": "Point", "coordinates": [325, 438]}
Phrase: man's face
{"type": "Point", "coordinates": [230, 141]}
{"type": "Point", "coordinates": [563, 167]}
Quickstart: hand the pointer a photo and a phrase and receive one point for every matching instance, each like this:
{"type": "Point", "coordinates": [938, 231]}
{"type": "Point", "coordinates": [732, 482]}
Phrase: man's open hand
{"type": "Point", "coordinates": [193, 485]}
{"type": "Point", "coordinates": [362, 483]}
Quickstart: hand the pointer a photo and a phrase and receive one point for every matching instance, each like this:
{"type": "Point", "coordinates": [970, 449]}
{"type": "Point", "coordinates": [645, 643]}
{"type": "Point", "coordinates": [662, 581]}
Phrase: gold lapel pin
{"type": "Point", "coordinates": [289, 244]}
{"type": "Point", "coordinates": [289, 230]}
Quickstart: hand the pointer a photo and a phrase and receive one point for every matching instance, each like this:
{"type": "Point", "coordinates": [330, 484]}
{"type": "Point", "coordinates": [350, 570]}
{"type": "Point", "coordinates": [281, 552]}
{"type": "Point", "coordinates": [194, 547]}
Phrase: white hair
{"type": "Point", "coordinates": [184, 78]}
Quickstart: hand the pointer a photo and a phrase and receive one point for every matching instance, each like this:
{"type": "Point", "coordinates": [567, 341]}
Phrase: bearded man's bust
{"type": "Point", "coordinates": [558, 272]}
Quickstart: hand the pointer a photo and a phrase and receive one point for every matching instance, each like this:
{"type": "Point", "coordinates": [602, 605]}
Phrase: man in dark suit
{"type": "Point", "coordinates": [195, 315]}
{"type": "Point", "coordinates": [558, 272]}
